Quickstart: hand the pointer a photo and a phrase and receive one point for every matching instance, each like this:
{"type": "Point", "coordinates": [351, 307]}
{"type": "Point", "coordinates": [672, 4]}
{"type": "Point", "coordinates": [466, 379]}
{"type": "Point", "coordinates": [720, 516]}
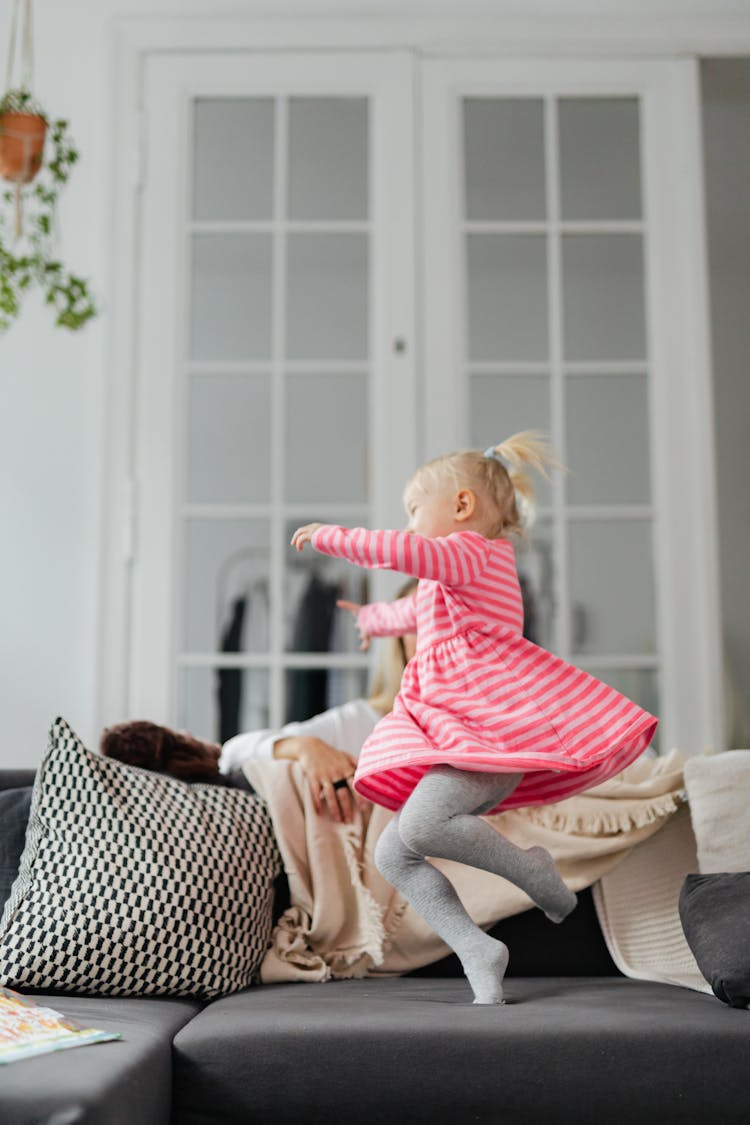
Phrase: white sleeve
{"type": "Point", "coordinates": [252, 745]}
{"type": "Point", "coordinates": [345, 728]}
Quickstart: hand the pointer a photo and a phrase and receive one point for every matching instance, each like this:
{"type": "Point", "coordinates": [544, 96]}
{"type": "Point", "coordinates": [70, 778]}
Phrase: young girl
{"type": "Point", "coordinates": [485, 720]}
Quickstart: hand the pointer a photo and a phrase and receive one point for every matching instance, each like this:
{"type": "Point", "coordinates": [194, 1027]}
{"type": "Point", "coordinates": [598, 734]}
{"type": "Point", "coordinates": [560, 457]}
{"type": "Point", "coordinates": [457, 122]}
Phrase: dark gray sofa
{"type": "Point", "coordinates": [576, 1042]}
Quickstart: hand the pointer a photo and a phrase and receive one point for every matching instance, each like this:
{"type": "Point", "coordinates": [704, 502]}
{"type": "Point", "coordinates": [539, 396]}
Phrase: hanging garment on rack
{"type": "Point", "coordinates": [229, 680]}
{"type": "Point", "coordinates": [347, 683]}
{"type": "Point", "coordinates": [242, 698]}
{"type": "Point", "coordinates": [307, 688]}
{"type": "Point", "coordinates": [255, 710]}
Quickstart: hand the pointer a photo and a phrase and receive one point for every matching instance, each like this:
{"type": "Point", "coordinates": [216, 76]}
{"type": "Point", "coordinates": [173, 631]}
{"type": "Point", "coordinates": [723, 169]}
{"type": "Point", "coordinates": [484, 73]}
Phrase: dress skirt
{"type": "Point", "coordinates": [497, 703]}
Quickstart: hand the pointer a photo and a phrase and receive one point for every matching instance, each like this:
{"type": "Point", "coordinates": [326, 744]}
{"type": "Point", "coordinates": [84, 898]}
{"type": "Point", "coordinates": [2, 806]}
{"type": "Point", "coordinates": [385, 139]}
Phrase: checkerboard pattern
{"type": "Point", "coordinates": [136, 884]}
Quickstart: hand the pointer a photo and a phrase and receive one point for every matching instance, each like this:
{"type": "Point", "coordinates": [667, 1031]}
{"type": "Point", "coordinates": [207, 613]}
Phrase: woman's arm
{"type": "Point", "coordinates": [337, 726]}
{"type": "Point", "coordinates": [326, 746]}
{"type": "Point", "coordinates": [323, 765]}
{"type": "Point", "coordinates": [453, 561]}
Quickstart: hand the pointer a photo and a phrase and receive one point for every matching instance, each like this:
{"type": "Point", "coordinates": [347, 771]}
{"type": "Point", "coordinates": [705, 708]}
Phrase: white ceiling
{"type": "Point", "coordinates": [652, 9]}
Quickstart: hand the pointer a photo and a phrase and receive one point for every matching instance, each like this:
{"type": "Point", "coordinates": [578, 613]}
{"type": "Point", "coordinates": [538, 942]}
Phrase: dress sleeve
{"type": "Point", "coordinates": [389, 619]}
{"type": "Point", "coordinates": [452, 561]}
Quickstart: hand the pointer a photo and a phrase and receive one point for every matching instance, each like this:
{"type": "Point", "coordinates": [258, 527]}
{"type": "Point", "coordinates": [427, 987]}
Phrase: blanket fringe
{"type": "Point", "coordinates": [371, 952]}
{"type": "Point", "coordinates": [604, 822]}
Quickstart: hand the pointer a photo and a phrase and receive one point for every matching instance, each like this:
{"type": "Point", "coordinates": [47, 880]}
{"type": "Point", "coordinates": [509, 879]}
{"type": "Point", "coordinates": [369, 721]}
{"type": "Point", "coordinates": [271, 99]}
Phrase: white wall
{"type": "Point", "coordinates": [53, 384]}
{"type": "Point", "coordinates": [726, 131]}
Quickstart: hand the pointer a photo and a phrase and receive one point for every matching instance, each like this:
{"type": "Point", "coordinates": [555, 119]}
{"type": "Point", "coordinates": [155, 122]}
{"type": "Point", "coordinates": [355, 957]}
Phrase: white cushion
{"type": "Point", "coordinates": [718, 789]}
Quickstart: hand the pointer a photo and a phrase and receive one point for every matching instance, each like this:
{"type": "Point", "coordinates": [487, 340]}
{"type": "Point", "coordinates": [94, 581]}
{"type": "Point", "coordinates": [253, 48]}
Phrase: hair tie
{"type": "Point", "coordinates": [492, 453]}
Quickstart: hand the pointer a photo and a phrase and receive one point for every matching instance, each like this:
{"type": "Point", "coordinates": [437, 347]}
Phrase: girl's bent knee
{"type": "Point", "coordinates": [420, 832]}
{"type": "Point", "coordinates": [389, 852]}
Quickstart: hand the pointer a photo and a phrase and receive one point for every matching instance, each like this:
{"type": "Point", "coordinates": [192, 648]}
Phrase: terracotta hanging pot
{"type": "Point", "coordinates": [22, 137]}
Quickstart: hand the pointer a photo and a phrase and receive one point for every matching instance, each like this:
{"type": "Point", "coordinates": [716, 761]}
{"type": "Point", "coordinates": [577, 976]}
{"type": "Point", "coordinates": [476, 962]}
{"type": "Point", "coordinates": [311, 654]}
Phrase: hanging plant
{"type": "Point", "coordinates": [27, 221]}
{"type": "Point", "coordinates": [23, 129]}
{"type": "Point", "coordinates": [28, 205]}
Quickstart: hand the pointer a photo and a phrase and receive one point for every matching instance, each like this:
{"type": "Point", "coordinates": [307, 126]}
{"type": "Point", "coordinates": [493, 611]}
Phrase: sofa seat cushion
{"type": "Point", "coordinates": [409, 1049]}
{"type": "Point", "coordinates": [125, 1082]}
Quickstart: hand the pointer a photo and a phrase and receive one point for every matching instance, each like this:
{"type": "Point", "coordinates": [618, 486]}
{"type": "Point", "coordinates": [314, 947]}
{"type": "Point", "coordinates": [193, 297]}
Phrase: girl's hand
{"type": "Point", "coordinates": [354, 609]}
{"type": "Point", "coordinates": [304, 534]}
{"type": "Point", "coordinates": [324, 767]}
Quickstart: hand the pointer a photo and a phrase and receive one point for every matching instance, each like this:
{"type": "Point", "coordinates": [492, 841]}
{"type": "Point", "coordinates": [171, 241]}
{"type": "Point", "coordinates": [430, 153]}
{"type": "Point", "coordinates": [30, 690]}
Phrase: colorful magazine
{"type": "Point", "coordinates": [27, 1030]}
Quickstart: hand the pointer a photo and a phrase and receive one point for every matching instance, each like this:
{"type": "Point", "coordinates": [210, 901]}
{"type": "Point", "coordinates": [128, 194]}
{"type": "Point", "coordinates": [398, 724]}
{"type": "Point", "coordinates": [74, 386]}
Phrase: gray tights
{"type": "Point", "coordinates": [441, 819]}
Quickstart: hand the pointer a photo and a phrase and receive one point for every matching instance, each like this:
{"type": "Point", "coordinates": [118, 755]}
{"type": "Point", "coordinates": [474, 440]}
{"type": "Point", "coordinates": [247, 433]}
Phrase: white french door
{"type": "Point", "coordinates": [302, 216]}
{"type": "Point", "coordinates": [564, 292]}
{"type": "Point", "coordinates": [275, 375]}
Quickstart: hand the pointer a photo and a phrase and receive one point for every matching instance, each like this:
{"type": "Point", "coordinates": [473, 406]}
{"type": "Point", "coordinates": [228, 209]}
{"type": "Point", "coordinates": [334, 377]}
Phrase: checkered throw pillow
{"type": "Point", "coordinates": [132, 883]}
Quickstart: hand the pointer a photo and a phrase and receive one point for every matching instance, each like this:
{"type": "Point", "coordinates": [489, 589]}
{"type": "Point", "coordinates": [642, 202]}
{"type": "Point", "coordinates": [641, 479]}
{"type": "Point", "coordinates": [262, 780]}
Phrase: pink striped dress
{"type": "Point", "coordinates": [477, 695]}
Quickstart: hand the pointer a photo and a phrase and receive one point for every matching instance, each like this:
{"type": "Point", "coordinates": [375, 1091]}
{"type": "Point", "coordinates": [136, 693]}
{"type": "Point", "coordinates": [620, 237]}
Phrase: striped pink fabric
{"type": "Point", "coordinates": [478, 695]}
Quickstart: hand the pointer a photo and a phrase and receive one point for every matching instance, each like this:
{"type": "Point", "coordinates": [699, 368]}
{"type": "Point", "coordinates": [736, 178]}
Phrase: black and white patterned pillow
{"type": "Point", "coordinates": [132, 883]}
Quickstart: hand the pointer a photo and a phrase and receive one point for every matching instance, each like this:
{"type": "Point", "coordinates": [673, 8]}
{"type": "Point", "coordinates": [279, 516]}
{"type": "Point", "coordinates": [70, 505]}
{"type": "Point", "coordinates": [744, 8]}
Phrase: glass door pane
{"type": "Point", "coordinates": [328, 162]}
{"type": "Point", "coordinates": [603, 299]}
{"type": "Point", "coordinates": [326, 412]}
{"type": "Point", "coordinates": [607, 439]}
{"type": "Point", "coordinates": [230, 305]}
{"type": "Point", "coordinates": [228, 438]}
{"type": "Point", "coordinates": [504, 159]}
{"type": "Point", "coordinates": [327, 306]}
{"type": "Point", "coordinates": [600, 164]}
{"type": "Point", "coordinates": [611, 587]}
{"type": "Point", "coordinates": [233, 159]}
{"type": "Point", "coordinates": [507, 296]}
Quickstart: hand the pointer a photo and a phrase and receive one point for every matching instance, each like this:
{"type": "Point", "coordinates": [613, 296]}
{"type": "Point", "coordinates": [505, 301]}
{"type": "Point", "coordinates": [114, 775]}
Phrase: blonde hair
{"type": "Point", "coordinates": [390, 668]}
{"type": "Point", "coordinates": [499, 477]}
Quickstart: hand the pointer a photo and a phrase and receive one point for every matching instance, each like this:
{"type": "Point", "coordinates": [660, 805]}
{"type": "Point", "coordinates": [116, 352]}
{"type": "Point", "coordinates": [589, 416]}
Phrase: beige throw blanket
{"type": "Point", "coordinates": [345, 920]}
{"type": "Point", "coordinates": [638, 911]}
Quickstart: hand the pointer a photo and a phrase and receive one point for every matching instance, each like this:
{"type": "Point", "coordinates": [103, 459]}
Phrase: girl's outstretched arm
{"type": "Point", "coordinates": [384, 619]}
{"type": "Point", "coordinates": [453, 561]}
